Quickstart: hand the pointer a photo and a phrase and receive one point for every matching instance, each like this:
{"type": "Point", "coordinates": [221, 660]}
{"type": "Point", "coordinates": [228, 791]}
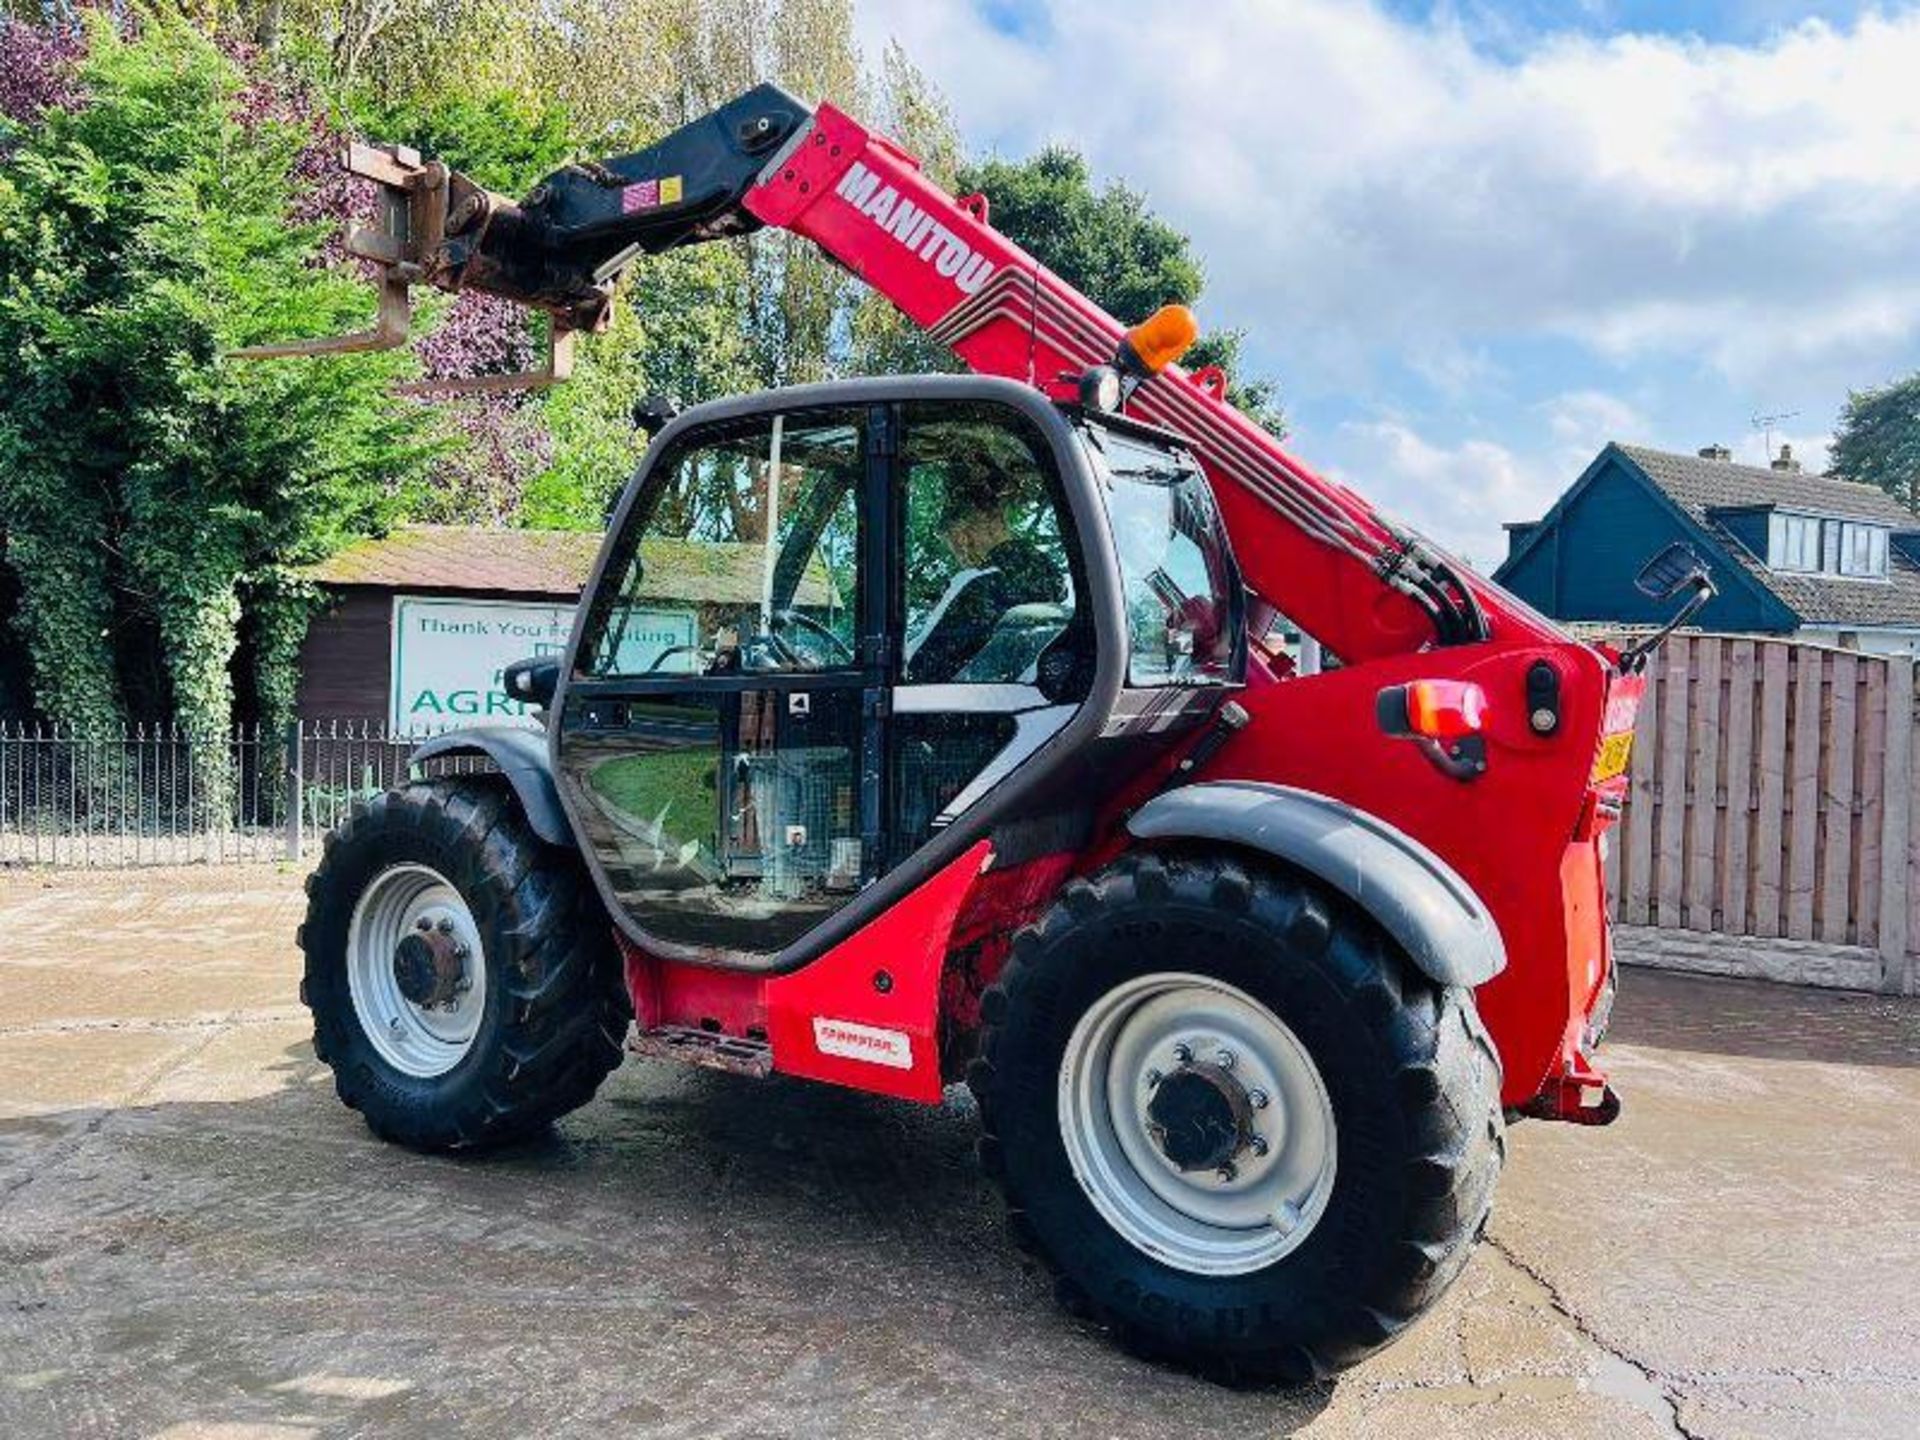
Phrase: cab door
{"type": "Point", "coordinates": [720, 732]}
{"type": "Point", "coordinates": [819, 639]}
{"type": "Point", "coordinates": [997, 648]}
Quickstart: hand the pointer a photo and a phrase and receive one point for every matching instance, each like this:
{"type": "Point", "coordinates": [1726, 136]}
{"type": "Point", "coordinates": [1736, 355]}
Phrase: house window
{"type": "Point", "coordinates": [1863, 550]}
{"type": "Point", "coordinates": [1826, 547]}
{"type": "Point", "coordinates": [1793, 542]}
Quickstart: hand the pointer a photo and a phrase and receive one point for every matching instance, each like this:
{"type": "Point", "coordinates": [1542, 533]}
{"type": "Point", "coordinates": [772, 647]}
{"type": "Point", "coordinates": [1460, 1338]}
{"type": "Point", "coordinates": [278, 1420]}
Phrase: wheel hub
{"type": "Point", "coordinates": [429, 966]}
{"type": "Point", "coordinates": [1200, 1117]}
{"type": "Point", "coordinates": [416, 969]}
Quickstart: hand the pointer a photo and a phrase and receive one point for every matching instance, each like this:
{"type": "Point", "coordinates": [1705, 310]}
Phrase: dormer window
{"type": "Point", "coordinates": [1807, 544]}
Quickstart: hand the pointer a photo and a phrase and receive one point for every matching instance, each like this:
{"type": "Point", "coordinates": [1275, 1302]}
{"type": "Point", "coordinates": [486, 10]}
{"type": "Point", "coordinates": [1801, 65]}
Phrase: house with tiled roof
{"type": "Point", "coordinates": [416, 626]}
{"type": "Point", "coordinates": [1792, 554]}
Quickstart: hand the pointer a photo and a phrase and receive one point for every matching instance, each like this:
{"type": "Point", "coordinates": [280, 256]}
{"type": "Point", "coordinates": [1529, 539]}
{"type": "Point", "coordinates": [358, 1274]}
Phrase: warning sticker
{"type": "Point", "coordinates": [651, 194]}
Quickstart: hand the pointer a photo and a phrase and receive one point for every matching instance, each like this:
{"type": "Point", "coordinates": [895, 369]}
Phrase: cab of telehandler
{"type": "Point", "coordinates": [839, 633]}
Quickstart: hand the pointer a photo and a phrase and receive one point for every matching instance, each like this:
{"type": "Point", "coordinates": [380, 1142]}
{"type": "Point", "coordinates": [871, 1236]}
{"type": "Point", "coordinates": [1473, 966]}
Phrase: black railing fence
{"type": "Point", "coordinates": [159, 795]}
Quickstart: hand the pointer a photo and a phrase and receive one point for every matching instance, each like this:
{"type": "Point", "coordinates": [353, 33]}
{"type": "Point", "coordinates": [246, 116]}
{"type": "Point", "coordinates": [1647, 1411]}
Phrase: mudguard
{"type": "Point", "coordinates": [521, 755]}
{"type": "Point", "coordinates": [1415, 895]}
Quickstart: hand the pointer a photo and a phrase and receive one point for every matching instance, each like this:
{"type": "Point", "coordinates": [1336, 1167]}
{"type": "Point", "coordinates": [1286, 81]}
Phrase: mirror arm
{"type": "Point", "coordinates": [1703, 591]}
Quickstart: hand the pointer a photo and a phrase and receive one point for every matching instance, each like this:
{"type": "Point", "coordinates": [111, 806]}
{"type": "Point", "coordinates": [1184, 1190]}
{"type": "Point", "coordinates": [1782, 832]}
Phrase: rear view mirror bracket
{"type": "Point", "coordinates": [1672, 571]}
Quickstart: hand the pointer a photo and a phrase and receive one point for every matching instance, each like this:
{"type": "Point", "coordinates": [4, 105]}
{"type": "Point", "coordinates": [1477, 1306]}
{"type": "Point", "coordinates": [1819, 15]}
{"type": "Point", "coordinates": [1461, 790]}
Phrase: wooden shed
{"type": "Point", "coordinates": [418, 624]}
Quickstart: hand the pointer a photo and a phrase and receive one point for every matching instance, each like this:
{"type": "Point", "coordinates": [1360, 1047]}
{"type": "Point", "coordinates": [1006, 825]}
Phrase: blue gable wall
{"type": "Point", "coordinates": [1580, 561]}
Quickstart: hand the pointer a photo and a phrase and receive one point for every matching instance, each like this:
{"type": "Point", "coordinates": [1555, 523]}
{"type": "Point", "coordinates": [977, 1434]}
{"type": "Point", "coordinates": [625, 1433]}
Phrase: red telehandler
{"type": "Point", "coordinates": [932, 728]}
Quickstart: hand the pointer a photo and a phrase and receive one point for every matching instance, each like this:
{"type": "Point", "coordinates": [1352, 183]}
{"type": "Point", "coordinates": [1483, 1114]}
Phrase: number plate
{"type": "Point", "coordinates": [1615, 751]}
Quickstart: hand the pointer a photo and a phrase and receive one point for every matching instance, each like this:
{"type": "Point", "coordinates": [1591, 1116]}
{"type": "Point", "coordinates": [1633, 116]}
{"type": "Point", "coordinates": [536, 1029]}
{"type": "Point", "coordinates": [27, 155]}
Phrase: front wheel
{"type": "Point", "coordinates": [464, 983]}
{"type": "Point", "coordinates": [1238, 1124]}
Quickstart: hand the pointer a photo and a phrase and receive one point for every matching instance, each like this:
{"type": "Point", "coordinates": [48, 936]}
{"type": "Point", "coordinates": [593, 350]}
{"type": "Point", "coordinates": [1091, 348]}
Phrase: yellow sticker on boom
{"type": "Point", "coordinates": [671, 190]}
{"type": "Point", "coordinates": [1615, 750]}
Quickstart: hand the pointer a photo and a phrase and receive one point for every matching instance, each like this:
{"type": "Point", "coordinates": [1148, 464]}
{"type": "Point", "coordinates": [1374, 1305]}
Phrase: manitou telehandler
{"type": "Point", "coordinates": [932, 728]}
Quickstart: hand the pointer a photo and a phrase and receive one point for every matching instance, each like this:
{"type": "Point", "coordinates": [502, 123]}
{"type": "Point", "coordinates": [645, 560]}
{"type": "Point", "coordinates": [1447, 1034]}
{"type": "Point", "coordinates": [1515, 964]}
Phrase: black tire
{"type": "Point", "coordinates": [556, 1010]}
{"type": "Point", "coordinates": [1410, 1071]}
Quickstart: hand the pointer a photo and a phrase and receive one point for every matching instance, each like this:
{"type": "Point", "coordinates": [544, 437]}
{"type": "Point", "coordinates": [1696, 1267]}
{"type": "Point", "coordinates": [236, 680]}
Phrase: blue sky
{"type": "Point", "coordinates": [1476, 240]}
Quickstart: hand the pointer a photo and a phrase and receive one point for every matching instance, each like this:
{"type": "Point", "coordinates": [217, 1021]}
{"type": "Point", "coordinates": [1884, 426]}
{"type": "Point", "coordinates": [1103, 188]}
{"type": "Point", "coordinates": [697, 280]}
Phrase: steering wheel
{"type": "Point", "coordinates": [779, 620]}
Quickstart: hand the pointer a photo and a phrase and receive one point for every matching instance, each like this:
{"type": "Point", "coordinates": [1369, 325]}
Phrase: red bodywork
{"type": "Point", "coordinates": [1525, 833]}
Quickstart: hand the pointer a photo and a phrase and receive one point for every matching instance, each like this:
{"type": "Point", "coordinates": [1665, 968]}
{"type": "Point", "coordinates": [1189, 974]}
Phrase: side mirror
{"type": "Point", "coordinates": [1674, 571]}
{"type": "Point", "coordinates": [653, 413]}
{"type": "Point", "coordinates": [533, 682]}
{"type": "Point", "coordinates": [1670, 571]}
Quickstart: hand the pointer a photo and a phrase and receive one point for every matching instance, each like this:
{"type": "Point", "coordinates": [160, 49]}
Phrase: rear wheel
{"type": "Point", "coordinates": [464, 983]}
{"type": "Point", "coordinates": [1240, 1127]}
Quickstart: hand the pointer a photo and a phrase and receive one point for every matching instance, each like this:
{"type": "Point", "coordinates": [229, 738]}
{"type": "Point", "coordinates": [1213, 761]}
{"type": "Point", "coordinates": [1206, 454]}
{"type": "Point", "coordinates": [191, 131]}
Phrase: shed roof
{"type": "Point", "coordinates": [464, 557]}
{"type": "Point", "coordinates": [547, 563]}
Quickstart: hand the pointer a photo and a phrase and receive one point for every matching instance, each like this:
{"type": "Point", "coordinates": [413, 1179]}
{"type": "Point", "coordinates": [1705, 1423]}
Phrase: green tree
{"type": "Point", "coordinates": [503, 140]}
{"type": "Point", "coordinates": [675, 335]}
{"type": "Point", "coordinates": [152, 485]}
{"type": "Point", "coordinates": [1107, 243]}
{"type": "Point", "coordinates": [1877, 441]}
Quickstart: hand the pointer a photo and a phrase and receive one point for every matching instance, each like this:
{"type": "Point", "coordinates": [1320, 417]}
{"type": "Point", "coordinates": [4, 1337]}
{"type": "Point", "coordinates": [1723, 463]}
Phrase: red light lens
{"type": "Point", "coordinates": [1445, 709]}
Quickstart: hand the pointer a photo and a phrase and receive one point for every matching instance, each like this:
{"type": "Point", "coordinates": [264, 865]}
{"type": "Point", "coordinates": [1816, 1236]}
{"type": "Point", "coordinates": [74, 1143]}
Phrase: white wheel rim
{"type": "Point", "coordinates": [1217, 1220]}
{"type": "Point", "coordinates": [416, 1039]}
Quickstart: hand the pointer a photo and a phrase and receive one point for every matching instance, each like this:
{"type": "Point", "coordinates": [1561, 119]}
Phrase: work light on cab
{"type": "Point", "coordinates": [1159, 340]}
{"type": "Point", "coordinates": [1143, 352]}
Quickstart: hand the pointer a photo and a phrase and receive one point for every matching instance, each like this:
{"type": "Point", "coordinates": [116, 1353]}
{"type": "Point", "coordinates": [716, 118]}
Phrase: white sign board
{"type": "Point", "coordinates": [449, 656]}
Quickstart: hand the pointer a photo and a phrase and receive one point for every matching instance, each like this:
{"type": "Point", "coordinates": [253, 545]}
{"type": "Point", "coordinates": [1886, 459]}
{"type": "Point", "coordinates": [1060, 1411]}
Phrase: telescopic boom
{"type": "Point", "coordinates": [1361, 584]}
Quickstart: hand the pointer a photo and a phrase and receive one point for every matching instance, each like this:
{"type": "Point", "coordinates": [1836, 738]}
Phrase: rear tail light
{"type": "Point", "coordinates": [1442, 710]}
{"type": "Point", "coordinates": [1443, 717]}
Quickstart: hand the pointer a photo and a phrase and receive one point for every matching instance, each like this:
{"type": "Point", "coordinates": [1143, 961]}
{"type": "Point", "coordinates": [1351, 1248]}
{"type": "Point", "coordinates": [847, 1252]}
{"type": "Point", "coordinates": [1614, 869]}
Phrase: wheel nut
{"type": "Point", "coordinates": [1258, 1144]}
{"type": "Point", "coordinates": [445, 926]}
{"type": "Point", "coordinates": [423, 924]}
{"type": "Point", "coordinates": [1257, 1099]}
{"type": "Point", "coordinates": [1228, 1172]}
{"type": "Point", "coordinates": [1223, 1057]}
{"type": "Point", "coordinates": [1183, 1053]}
{"type": "Point", "coordinates": [1154, 1077]}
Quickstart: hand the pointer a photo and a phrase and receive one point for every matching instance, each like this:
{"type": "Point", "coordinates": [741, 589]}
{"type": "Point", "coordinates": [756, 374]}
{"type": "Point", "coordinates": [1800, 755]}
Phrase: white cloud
{"type": "Point", "coordinates": [1456, 371]}
{"type": "Point", "coordinates": [1360, 183]}
{"type": "Point", "coordinates": [1587, 419]}
{"type": "Point", "coordinates": [1458, 494]}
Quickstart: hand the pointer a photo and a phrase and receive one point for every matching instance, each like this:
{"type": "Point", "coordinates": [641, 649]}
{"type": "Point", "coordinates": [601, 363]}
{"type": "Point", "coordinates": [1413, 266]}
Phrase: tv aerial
{"type": "Point", "coordinates": [1766, 424]}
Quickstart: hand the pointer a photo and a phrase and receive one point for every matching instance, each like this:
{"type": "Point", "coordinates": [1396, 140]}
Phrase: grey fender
{"type": "Point", "coordinates": [522, 757]}
{"type": "Point", "coordinates": [1415, 895]}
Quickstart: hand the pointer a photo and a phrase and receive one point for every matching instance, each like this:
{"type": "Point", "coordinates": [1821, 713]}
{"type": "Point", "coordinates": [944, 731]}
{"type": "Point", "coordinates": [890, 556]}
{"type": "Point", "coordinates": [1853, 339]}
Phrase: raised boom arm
{"type": "Point", "coordinates": [1313, 549]}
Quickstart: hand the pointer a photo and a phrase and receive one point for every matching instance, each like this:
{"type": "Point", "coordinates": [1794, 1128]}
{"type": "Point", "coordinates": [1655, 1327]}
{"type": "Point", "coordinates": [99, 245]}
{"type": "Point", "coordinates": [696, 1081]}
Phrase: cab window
{"type": "Point", "coordinates": [1181, 588]}
{"type": "Point", "coordinates": [990, 591]}
{"type": "Point", "coordinates": [748, 561]}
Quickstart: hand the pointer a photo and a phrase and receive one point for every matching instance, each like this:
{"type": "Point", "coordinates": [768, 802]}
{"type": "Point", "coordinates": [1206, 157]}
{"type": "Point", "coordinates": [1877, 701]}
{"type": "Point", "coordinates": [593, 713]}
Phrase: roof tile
{"type": "Point", "coordinates": [549, 564]}
{"type": "Point", "coordinates": [1700, 486]}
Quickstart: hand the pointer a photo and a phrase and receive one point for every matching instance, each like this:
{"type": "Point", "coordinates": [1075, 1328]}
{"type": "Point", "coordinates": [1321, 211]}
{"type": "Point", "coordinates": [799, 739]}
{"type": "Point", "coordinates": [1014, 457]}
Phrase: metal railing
{"type": "Point", "coordinates": [158, 795]}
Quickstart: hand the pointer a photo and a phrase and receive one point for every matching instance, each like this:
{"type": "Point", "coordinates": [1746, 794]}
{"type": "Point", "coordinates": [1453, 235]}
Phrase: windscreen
{"type": "Point", "coordinates": [1180, 585]}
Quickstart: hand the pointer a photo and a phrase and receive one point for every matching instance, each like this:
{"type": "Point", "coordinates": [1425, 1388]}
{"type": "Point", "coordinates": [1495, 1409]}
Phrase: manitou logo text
{"type": "Point", "coordinates": [952, 257]}
{"type": "Point", "coordinates": [853, 1041]}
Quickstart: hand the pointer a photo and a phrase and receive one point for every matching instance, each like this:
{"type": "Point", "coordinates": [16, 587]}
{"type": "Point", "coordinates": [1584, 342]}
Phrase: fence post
{"type": "Point", "coordinates": [1896, 829]}
{"type": "Point", "coordinates": [296, 796]}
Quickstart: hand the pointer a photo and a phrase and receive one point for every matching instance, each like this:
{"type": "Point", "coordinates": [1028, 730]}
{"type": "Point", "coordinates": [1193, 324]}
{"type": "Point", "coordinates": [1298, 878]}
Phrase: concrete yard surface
{"type": "Point", "coordinates": [196, 1239]}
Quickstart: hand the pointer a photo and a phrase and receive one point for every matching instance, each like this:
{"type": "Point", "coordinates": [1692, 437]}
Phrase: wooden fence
{"type": "Point", "coordinates": [1772, 797]}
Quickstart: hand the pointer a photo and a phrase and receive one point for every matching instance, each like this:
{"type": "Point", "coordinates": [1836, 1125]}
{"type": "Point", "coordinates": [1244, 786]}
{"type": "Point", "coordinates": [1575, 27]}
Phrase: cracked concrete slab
{"type": "Point", "coordinates": [196, 1239]}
